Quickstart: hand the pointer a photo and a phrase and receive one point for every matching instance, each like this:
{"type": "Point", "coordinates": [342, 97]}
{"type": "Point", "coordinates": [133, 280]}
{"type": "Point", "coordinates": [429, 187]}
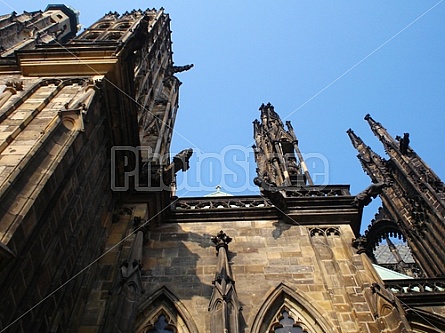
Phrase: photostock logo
{"type": "Point", "coordinates": [233, 168]}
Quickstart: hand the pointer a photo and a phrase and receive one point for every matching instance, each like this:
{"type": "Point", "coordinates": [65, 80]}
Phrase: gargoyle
{"type": "Point", "coordinates": [171, 70]}
{"type": "Point", "coordinates": [404, 143]}
{"type": "Point", "coordinates": [271, 191]}
{"type": "Point", "coordinates": [365, 197]}
{"type": "Point", "coordinates": [180, 161]}
{"type": "Point", "coordinates": [179, 69]}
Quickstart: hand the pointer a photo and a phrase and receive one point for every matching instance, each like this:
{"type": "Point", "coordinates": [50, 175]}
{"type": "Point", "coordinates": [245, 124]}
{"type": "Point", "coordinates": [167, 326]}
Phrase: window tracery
{"type": "Point", "coordinates": [162, 325]}
{"type": "Point", "coordinates": [113, 35]}
{"type": "Point", "coordinates": [287, 324]}
{"type": "Point", "coordinates": [102, 25]}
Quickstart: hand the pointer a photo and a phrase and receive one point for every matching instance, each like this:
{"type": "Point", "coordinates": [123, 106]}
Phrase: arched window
{"type": "Point", "coordinates": [92, 35]}
{"type": "Point", "coordinates": [122, 25]}
{"type": "Point", "coordinates": [113, 35]}
{"type": "Point", "coordinates": [387, 246]}
{"type": "Point", "coordinates": [102, 25]}
{"type": "Point", "coordinates": [286, 310]}
{"type": "Point", "coordinates": [162, 312]}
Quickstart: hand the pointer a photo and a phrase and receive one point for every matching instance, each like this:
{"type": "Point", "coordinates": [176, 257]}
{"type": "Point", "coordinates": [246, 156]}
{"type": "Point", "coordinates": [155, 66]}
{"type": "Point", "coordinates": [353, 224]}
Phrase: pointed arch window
{"type": "Point", "coordinates": [285, 310]}
{"type": "Point", "coordinates": [162, 312]}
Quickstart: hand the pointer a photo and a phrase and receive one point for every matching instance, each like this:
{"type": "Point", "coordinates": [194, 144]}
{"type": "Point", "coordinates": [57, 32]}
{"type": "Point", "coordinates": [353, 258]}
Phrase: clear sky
{"type": "Point", "coordinates": [323, 64]}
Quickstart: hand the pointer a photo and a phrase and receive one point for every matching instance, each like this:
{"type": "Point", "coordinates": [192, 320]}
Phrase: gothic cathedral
{"type": "Point", "coordinates": [94, 239]}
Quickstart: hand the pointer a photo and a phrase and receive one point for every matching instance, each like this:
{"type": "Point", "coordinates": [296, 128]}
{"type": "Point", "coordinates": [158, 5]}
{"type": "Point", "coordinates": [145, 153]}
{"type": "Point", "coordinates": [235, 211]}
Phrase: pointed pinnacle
{"type": "Point", "coordinates": [371, 121]}
{"type": "Point", "coordinates": [355, 140]}
{"type": "Point", "coordinates": [378, 129]}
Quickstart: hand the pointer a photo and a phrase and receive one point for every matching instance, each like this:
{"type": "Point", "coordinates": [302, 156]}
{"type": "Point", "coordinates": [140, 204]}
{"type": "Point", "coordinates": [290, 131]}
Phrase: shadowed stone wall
{"type": "Point", "coordinates": [59, 204]}
{"type": "Point", "coordinates": [317, 263]}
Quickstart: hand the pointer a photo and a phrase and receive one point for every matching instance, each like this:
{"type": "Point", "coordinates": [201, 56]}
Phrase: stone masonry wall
{"type": "Point", "coordinates": [62, 233]}
{"type": "Point", "coordinates": [317, 263]}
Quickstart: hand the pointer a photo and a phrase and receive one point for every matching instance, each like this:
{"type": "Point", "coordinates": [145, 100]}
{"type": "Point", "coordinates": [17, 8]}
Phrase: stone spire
{"type": "Point", "coordinates": [372, 163]}
{"type": "Point", "coordinates": [278, 157]}
{"type": "Point", "coordinates": [224, 304]}
{"type": "Point", "coordinates": [413, 197]}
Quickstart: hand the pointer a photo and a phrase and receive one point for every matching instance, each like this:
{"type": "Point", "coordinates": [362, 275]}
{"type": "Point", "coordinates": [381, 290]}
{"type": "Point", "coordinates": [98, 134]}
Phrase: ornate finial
{"type": "Point", "coordinates": [221, 239]}
{"type": "Point", "coordinates": [14, 85]}
{"type": "Point", "coordinates": [355, 140]}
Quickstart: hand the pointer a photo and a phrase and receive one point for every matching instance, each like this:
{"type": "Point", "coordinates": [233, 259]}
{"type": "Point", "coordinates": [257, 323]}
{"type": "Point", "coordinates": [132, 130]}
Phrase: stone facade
{"type": "Point", "coordinates": [93, 238]}
{"type": "Point", "coordinates": [55, 198]}
{"type": "Point", "coordinates": [59, 117]}
{"type": "Point", "coordinates": [262, 265]}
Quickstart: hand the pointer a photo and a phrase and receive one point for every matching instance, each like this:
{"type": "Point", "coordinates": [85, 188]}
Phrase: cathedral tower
{"type": "Point", "coordinates": [73, 112]}
{"type": "Point", "coordinates": [412, 197]}
{"type": "Point", "coordinates": [55, 25]}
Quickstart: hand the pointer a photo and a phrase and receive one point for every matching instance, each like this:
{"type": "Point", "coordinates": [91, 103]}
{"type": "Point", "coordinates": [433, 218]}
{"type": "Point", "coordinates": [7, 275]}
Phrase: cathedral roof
{"type": "Point", "coordinates": [388, 274]}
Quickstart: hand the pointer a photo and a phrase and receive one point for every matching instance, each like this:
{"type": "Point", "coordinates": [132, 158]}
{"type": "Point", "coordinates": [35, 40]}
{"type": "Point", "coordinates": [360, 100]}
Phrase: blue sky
{"type": "Point", "coordinates": [323, 64]}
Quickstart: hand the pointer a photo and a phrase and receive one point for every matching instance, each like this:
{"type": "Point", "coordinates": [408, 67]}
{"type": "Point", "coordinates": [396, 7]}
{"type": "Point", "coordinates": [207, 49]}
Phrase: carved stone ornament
{"type": "Point", "coordinates": [360, 244]}
{"type": "Point", "coordinates": [221, 240]}
{"type": "Point", "coordinates": [365, 197]}
{"type": "Point", "coordinates": [224, 304]}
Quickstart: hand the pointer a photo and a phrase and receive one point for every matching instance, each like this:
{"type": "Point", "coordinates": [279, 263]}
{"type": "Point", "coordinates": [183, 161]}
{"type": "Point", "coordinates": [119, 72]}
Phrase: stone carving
{"type": "Point", "coordinates": [16, 84]}
{"type": "Point", "coordinates": [220, 203]}
{"type": "Point", "coordinates": [221, 239]}
{"type": "Point", "coordinates": [374, 165]}
{"type": "Point", "coordinates": [179, 69]}
{"type": "Point", "coordinates": [171, 70]}
{"type": "Point", "coordinates": [365, 197]}
{"type": "Point", "coordinates": [11, 89]}
{"type": "Point", "coordinates": [180, 161]}
{"type": "Point", "coordinates": [224, 304]}
{"type": "Point", "coordinates": [419, 215]}
{"type": "Point", "coordinates": [360, 243]}
{"type": "Point", "coordinates": [316, 191]}
{"type": "Point", "coordinates": [277, 155]}
{"type": "Point", "coordinates": [404, 143]}
{"type": "Point", "coordinates": [292, 167]}
{"type": "Point", "coordinates": [324, 232]}
{"type": "Point", "coordinates": [286, 324]}
{"type": "Point", "coordinates": [129, 284]}
{"type": "Point", "coordinates": [84, 97]}
{"type": "Point", "coordinates": [418, 286]}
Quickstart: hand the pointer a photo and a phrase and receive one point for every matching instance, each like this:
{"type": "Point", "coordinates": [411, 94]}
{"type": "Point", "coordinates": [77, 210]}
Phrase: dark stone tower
{"type": "Point", "coordinates": [73, 112]}
{"type": "Point", "coordinates": [412, 197]}
{"type": "Point", "coordinates": [413, 208]}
